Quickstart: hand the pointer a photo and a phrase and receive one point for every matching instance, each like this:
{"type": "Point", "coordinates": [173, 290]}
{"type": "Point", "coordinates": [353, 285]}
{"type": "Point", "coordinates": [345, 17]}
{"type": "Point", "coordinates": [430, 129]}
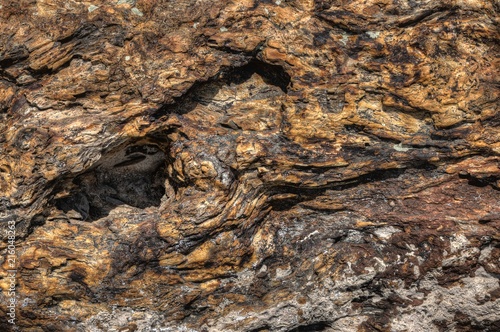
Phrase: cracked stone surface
{"type": "Point", "coordinates": [250, 165]}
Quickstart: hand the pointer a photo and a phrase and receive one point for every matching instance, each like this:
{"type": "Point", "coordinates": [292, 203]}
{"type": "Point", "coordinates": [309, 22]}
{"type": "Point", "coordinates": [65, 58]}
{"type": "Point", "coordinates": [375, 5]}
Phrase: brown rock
{"type": "Point", "coordinates": [249, 166]}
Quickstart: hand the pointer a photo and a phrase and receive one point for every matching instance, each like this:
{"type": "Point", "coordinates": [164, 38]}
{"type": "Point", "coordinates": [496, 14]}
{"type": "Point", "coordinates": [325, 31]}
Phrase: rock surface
{"type": "Point", "coordinates": [253, 165]}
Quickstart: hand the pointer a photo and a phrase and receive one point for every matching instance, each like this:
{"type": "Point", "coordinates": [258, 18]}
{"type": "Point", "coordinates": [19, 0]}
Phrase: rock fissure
{"type": "Point", "coordinates": [250, 166]}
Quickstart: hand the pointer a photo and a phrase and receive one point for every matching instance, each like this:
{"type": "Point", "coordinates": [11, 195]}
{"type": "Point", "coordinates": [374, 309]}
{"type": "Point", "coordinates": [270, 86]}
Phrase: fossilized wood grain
{"type": "Point", "coordinates": [252, 165]}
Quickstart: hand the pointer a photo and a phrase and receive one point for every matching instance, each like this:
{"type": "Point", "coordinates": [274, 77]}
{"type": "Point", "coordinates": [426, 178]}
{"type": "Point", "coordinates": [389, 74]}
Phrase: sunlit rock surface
{"type": "Point", "coordinates": [251, 165]}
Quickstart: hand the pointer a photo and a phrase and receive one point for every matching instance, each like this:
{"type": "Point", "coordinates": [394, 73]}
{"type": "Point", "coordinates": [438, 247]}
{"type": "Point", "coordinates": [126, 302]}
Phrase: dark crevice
{"type": "Point", "coordinates": [37, 221]}
{"type": "Point", "coordinates": [313, 327]}
{"type": "Point", "coordinates": [264, 328]}
{"type": "Point", "coordinates": [133, 174]}
{"type": "Point", "coordinates": [271, 74]}
{"type": "Point", "coordinates": [451, 134]}
{"type": "Point", "coordinates": [80, 33]}
{"type": "Point", "coordinates": [344, 21]}
{"type": "Point", "coordinates": [45, 71]}
{"type": "Point", "coordinates": [16, 55]}
{"type": "Point", "coordinates": [360, 129]}
{"type": "Point", "coordinates": [186, 244]}
{"type": "Point", "coordinates": [425, 16]}
{"type": "Point", "coordinates": [492, 217]}
{"type": "Point", "coordinates": [305, 194]}
{"type": "Point", "coordinates": [284, 204]}
{"type": "Point", "coordinates": [479, 182]}
{"type": "Point", "coordinates": [297, 194]}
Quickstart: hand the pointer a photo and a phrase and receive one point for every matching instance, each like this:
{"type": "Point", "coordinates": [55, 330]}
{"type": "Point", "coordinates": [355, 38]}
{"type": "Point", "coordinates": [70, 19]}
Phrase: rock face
{"type": "Point", "coordinates": [254, 165]}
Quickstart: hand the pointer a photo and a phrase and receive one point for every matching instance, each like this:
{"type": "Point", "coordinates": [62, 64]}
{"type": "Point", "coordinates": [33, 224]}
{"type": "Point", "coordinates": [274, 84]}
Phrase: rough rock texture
{"type": "Point", "coordinates": [251, 165]}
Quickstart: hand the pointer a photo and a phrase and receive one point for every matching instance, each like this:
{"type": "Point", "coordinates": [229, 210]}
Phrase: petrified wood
{"type": "Point", "coordinates": [253, 165]}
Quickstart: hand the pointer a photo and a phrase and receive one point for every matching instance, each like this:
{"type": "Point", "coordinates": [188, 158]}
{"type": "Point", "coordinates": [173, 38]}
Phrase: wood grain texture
{"type": "Point", "coordinates": [251, 165]}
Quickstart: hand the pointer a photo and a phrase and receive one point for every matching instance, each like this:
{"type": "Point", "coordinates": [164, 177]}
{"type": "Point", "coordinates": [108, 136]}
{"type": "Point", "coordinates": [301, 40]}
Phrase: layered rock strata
{"type": "Point", "coordinates": [250, 165]}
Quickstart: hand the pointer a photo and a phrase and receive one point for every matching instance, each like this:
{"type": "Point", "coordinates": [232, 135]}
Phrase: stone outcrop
{"type": "Point", "coordinates": [250, 165]}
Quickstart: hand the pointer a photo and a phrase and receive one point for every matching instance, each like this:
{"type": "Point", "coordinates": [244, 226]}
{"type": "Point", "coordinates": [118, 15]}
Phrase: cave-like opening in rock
{"type": "Point", "coordinates": [204, 92]}
{"type": "Point", "coordinates": [271, 74]}
{"type": "Point", "coordinates": [131, 174]}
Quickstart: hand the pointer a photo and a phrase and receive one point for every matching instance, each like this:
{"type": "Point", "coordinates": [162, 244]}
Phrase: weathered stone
{"type": "Point", "coordinates": [250, 165]}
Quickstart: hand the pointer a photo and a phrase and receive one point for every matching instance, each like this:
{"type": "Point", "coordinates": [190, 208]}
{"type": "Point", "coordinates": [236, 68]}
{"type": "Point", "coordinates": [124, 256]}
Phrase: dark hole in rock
{"type": "Point", "coordinates": [272, 74]}
{"type": "Point", "coordinates": [133, 174]}
{"type": "Point", "coordinates": [264, 328]}
{"type": "Point", "coordinates": [204, 92]}
{"type": "Point", "coordinates": [314, 327]}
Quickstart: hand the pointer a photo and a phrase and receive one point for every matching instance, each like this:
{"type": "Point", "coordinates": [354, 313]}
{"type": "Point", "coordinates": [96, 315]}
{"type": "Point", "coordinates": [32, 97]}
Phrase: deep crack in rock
{"type": "Point", "coordinates": [250, 165]}
{"type": "Point", "coordinates": [133, 174]}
